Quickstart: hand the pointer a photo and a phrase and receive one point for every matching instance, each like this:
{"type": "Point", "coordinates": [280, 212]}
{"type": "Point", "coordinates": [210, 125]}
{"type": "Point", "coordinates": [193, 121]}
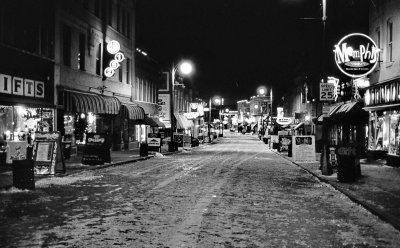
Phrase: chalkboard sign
{"type": "Point", "coordinates": [47, 154]}
{"type": "Point", "coordinates": [97, 149]}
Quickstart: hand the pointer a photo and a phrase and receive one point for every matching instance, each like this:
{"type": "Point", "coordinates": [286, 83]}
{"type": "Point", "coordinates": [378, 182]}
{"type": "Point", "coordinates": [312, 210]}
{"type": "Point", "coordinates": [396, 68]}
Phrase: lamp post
{"type": "Point", "coordinates": [184, 68]}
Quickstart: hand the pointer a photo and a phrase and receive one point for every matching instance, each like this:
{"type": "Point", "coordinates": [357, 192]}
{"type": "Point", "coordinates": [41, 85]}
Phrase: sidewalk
{"type": "Point", "coordinates": [74, 164]}
{"type": "Point", "coordinates": [378, 189]}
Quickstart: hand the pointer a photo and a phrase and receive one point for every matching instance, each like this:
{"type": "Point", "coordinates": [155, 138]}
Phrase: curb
{"type": "Point", "coordinates": [351, 197]}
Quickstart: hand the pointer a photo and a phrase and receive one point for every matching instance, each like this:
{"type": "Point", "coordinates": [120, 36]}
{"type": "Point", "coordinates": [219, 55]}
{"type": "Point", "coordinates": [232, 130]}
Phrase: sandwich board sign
{"type": "Point", "coordinates": [47, 153]}
{"type": "Point", "coordinates": [303, 148]}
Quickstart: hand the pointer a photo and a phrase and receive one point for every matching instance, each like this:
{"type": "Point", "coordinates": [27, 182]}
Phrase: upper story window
{"type": "Point", "coordinates": [98, 59]}
{"type": "Point", "coordinates": [128, 71]}
{"type": "Point", "coordinates": [389, 40]}
{"type": "Point", "coordinates": [31, 30]}
{"type": "Point", "coordinates": [81, 52]}
{"type": "Point", "coordinates": [66, 45]}
{"type": "Point", "coordinates": [378, 39]}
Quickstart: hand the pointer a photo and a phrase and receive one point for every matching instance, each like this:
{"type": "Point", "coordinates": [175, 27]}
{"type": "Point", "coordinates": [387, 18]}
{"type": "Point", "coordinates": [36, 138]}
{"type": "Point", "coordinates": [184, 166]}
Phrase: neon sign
{"type": "Point", "coordinates": [356, 55]}
{"type": "Point", "coordinates": [113, 47]}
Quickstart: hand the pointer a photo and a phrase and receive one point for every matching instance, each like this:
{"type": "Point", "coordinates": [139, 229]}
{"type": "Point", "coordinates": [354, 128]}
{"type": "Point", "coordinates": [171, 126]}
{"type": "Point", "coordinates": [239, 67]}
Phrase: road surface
{"type": "Point", "coordinates": [234, 193]}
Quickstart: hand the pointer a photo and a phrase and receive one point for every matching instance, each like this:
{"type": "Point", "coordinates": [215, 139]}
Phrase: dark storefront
{"type": "Point", "coordinates": [347, 124]}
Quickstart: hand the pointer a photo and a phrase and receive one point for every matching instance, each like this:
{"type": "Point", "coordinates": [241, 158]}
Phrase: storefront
{"type": "Point", "coordinates": [347, 124]}
{"type": "Point", "coordinates": [127, 130]}
{"type": "Point", "coordinates": [383, 104]}
{"type": "Point", "coordinates": [26, 96]}
{"type": "Point", "coordinates": [81, 113]}
{"type": "Point", "coordinates": [183, 124]}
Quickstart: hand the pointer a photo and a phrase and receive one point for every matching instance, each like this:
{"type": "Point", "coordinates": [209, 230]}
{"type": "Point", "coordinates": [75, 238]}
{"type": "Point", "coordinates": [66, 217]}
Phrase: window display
{"type": "Point", "coordinates": [394, 134]}
{"type": "Point", "coordinates": [19, 123]}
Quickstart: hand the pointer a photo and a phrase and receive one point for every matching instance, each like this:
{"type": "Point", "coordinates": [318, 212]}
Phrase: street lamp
{"type": "Point", "coordinates": [217, 100]}
{"type": "Point", "coordinates": [184, 68]}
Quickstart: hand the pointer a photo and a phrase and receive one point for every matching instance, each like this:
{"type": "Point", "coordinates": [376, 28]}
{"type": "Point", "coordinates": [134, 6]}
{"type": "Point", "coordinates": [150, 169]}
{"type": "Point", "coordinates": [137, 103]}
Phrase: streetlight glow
{"type": "Point", "coordinates": [186, 68]}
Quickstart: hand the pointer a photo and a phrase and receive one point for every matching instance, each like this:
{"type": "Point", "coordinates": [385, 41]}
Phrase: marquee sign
{"type": "Point", "coordinates": [356, 55]}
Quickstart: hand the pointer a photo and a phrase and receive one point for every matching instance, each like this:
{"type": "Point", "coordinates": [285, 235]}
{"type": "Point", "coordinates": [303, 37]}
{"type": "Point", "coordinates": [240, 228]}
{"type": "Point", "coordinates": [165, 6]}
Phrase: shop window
{"type": "Point", "coordinates": [394, 134]}
{"type": "Point", "coordinates": [19, 123]}
{"type": "Point", "coordinates": [378, 40]}
{"type": "Point", "coordinates": [110, 12]}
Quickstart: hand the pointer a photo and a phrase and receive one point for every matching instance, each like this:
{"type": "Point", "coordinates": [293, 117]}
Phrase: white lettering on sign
{"type": "Point", "coordinates": [343, 54]}
{"type": "Point", "coordinates": [29, 86]}
{"type": "Point", "coordinates": [113, 47]}
{"type": "Point", "coordinates": [284, 120]}
{"type": "Point", "coordinates": [21, 86]}
{"type": "Point", "coordinates": [18, 86]}
{"type": "Point", "coordinates": [347, 151]}
{"type": "Point", "coordinates": [5, 84]}
{"type": "Point", "coordinates": [327, 91]}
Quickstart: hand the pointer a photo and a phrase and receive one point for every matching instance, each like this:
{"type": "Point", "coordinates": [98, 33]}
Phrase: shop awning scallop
{"type": "Point", "coordinates": [132, 111]}
{"type": "Point", "coordinates": [111, 105]}
{"type": "Point", "coordinates": [83, 103]}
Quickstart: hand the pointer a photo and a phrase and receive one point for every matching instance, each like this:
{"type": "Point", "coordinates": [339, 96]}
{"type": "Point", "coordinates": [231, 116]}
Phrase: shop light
{"type": "Point", "coordinates": [83, 116]}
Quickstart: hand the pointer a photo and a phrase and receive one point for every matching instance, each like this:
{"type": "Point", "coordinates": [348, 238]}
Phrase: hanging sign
{"type": "Point", "coordinates": [356, 55]}
{"type": "Point", "coordinates": [284, 121]}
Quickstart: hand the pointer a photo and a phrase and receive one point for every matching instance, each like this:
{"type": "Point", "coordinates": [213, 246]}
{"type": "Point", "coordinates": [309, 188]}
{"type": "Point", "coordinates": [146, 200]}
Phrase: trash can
{"type": "Point", "coordinates": [144, 150]}
{"type": "Point", "coordinates": [66, 146]}
{"type": "Point", "coordinates": [348, 164]}
{"type": "Point", "coordinates": [23, 175]}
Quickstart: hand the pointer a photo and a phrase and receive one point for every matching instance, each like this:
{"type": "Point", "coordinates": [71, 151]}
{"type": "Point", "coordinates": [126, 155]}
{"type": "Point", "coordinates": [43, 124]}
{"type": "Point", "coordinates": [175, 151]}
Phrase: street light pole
{"type": "Point", "coordinates": [209, 123]}
{"type": "Point", "coordinates": [171, 88]}
{"type": "Point", "coordinates": [185, 68]}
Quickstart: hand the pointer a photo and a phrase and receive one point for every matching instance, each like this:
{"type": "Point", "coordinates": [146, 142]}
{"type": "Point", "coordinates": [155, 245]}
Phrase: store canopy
{"type": "Point", "coordinates": [132, 111]}
{"type": "Point", "coordinates": [159, 123]}
{"type": "Point", "coordinates": [349, 113]}
{"type": "Point", "coordinates": [83, 103]}
{"type": "Point", "coordinates": [182, 122]}
{"type": "Point", "coordinates": [111, 105]}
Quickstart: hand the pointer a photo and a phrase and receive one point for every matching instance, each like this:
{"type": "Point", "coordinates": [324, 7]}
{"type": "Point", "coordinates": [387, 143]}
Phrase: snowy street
{"type": "Point", "coordinates": [235, 193]}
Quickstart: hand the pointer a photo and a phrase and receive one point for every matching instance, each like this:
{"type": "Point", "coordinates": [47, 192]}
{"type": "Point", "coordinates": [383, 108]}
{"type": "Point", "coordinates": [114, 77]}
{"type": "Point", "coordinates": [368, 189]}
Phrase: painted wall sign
{"type": "Point", "coordinates": [356, 55]}
{"type": "Point", "coordinates": [21, 86]}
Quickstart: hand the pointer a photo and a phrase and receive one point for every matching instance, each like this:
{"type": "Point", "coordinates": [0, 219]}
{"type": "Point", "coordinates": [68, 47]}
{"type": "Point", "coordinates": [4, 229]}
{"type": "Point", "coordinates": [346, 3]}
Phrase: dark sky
{"type": "Point", "coordinates": [237, 45]}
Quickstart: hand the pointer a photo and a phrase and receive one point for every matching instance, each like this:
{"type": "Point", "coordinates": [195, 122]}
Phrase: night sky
{"type": "Point", "coordinates": [238, 45]}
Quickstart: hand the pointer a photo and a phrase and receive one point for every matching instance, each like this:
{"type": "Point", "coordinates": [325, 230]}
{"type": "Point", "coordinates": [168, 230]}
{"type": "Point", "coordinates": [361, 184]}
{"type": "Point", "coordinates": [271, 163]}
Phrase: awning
{"type": "Point", "coordinates": [350, 113]}
{"type": "Point", "coordinates": [111, 105]}
{"type": "Point", "coordinates": [132, 111]}
{"type": "Point", "coordinates": [182, 122]}
{"type": "Point", "coordinates": [298, 125]}
{"type": "Point", "coordinates": [83, 103]}
{"type": "Point", "coordinates": [159, 123]}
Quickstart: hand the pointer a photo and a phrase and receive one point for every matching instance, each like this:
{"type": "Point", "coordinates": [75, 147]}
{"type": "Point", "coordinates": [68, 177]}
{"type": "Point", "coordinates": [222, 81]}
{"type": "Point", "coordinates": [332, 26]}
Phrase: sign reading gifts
{"type": "Point", "coordinates": [21, 86]}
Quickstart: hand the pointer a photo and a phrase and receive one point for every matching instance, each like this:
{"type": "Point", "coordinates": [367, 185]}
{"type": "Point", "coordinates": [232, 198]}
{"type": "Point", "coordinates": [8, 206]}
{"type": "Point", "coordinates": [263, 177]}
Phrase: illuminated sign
{"type": "Point", "coordinates": [113, 47]}
{"type": "Point", "coordinates": [284, 121]}
{"type": "Point", "coordinates": [21, 86]}
{"type": "Point", "coordinates": [356, 55]}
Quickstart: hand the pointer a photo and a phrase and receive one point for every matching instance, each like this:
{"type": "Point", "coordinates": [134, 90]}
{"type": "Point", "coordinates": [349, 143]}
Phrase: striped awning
{"type": "Point", "coordinates": [182, 121]}
{"type": "Point", "coordinates": [83, 103]}
{"type": "Point", "coordinates": [111, 105]}
{"type": "Point", "coordinates": [159, 123]}
{"type": "Point", "coordinates": [132, 111]}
